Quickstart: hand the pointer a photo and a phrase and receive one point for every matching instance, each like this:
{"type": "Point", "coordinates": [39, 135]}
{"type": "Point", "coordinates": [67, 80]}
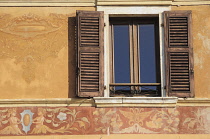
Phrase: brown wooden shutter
{"type": "Point", "coordinates": [178, 53]}
{"type": "Point", "coordinates": [90, 33]}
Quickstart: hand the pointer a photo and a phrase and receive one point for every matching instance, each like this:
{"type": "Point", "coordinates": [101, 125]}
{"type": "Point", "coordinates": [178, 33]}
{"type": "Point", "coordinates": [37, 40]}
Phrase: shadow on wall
{"type": "Point", "coordinates": [72, 57]}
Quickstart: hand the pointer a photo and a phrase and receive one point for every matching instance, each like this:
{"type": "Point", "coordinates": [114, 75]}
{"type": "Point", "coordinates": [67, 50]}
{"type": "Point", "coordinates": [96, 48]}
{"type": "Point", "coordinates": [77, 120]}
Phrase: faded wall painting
{"type": "Point", "coordinates": [37, 52]}
{"type": "Point", "coordinates": [90, 120]}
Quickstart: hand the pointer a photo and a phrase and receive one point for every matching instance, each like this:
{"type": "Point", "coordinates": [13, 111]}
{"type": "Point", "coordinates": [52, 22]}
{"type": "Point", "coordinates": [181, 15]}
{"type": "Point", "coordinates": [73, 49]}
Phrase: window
{"type": "Point", "coordinates": [135, 56]}
{"type": "Point", "coordinates": [140, 72]}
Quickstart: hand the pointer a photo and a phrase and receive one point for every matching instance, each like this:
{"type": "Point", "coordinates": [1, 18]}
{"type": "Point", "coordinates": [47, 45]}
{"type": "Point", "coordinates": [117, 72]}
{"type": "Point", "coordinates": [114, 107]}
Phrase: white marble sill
{"type": "Point", "coordinates": [136, 101]}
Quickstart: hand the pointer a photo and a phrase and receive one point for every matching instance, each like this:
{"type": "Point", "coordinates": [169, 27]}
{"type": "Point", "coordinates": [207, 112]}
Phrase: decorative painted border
{"type": "Point", "coordinates": [30, 121]}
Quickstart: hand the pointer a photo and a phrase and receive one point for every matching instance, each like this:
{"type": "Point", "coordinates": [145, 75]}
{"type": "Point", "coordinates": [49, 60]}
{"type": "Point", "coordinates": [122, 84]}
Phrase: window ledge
{"type": "Point", "coordinates": [193, 102]}
{"type": "Point", "coordinates": [108, 102]}
{"type": "Point", "coordinates": [135, 101]}
{"type": "Point", "coordinates": [47, 102]}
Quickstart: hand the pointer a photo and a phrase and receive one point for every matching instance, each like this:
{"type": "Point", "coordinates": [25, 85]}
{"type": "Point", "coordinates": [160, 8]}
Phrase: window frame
{"type": "Point", "coordinates": [134, 45]}
{"type": "Point", "coordinates": [131, 11]}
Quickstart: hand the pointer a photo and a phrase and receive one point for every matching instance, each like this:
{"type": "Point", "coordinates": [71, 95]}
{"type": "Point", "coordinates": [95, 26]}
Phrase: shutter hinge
{"type": "Point", "coordinates": [104, 87]}
{"type": "Point", "coordinates": [191, 70]}
{"type": "Point", "coordinates": [165, 87]}
{"type": "Point", "coordinates": [162, 25]}
{"type": "Point", "coordinates": [104, 24]}
{"type": "Point", "coordinates": [78, 71]}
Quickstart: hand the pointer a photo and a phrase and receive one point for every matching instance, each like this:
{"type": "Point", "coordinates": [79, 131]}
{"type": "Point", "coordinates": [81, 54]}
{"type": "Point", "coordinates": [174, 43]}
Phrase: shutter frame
{"type": "Point", "coordinates": [179, 53]}
{"type": "Point", "coordinates": [90, 53]}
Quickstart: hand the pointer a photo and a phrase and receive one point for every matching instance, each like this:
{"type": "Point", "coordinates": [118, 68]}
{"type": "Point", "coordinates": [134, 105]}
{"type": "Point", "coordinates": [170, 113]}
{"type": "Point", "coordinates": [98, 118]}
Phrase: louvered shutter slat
{"type": "Point", "coordinates": [178, 26]}
{"type": "Point", "coordinates": [178, 47]}
{"type": "Point", "coordinates": [90, 53]}
{"type": "Point", "coordinates": [176, 73]}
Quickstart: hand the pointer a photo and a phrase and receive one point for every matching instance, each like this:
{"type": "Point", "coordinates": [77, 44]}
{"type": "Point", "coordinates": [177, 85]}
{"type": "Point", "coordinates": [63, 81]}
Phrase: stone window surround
{"type": "Point", "coordinates": [133, 11]}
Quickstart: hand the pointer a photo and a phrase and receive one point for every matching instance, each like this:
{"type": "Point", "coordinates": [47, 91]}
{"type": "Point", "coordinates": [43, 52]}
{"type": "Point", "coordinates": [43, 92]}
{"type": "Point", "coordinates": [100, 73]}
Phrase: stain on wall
{"type": "Point", "coordinates": [37, 52]}
{"type": "Point", "coordinates": [201, 47]}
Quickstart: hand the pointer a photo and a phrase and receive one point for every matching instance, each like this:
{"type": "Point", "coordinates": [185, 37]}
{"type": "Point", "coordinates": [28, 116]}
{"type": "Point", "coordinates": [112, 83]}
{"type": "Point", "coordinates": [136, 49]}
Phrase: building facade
{"type": "Point", "coordinates": [104, 69]}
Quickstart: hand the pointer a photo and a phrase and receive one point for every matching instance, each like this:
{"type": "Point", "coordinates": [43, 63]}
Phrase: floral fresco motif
{"type": "Point", "coordinates": [135, 115]}
{"type": "Point", "coordinates": [107, 120]}
{"type": "Point", "coordinates": [200, 121]}
{"type": "Point", "coordinates": [136, 118]}
{"type": "Point", "coordinates": [62, 116]}
{"type": "Point", "coordinates": [167, 120]}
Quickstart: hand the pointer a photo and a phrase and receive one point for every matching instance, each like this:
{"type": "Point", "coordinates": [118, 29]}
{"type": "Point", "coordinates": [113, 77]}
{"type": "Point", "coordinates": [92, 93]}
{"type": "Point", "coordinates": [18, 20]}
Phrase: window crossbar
{"type": "Point", "coordinates": [134, 84]}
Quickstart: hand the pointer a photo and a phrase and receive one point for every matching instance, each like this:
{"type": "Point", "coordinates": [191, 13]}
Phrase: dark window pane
{"type": "Point", "coordinates": [147, 54]}
{"type": "Point", "coordinates": [121, 54]}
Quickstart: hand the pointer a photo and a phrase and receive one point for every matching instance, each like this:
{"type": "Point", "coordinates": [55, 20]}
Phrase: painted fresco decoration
{"type": "Point", "coordinates": [107, 120]}
{"type": "Point", "coordinates": [136, 118]}
{"type": "Point", "coordinates": [26, 120]}
{"type": "Point", "coordinates": [13, 123]}
{"type": "Point", "coordinates": [46, 121]}
{"type": "Point", "coordinates": [135, 115]}
{"type": "Point", "coordinates": [58, 120]}
{"type": "Point", "coordinates": [30, 39]}
{"type": "Point", "coordinates": [200, 122]}
{"type": "Point", "coordinates": [167, 120]}
{"type": "Point", "coordinates": [22, 121]}
{"type": "Point", "coordinates": [29, 25]}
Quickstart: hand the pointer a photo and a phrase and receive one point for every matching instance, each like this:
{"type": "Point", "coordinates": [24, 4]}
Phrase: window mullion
{"type": "Point", "coordinates": [112, 54]}
{"type": "Point", "coordinates": [135, 53]}
{"type": "Point", "coordinates": [131, 53]}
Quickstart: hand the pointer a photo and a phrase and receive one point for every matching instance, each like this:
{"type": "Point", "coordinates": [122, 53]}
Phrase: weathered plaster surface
{"type": "Point", "coordinates": [37, 52]}
{"type": "Point", "coordinates": [201, 47]}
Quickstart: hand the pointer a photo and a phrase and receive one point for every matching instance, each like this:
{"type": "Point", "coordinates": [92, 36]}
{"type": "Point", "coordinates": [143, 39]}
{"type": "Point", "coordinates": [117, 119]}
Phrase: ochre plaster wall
{"type": "Point", "coordinates": [201, 48]}
{"type": "Point", "coordinates": [37, 54]}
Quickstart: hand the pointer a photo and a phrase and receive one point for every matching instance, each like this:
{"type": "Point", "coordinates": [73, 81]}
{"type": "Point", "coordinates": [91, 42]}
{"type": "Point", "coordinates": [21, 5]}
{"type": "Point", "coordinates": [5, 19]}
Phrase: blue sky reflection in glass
{"type": "Point", "coordinates": [147, 54]}
{"type": "Point", "coordinates": [121, 55]}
